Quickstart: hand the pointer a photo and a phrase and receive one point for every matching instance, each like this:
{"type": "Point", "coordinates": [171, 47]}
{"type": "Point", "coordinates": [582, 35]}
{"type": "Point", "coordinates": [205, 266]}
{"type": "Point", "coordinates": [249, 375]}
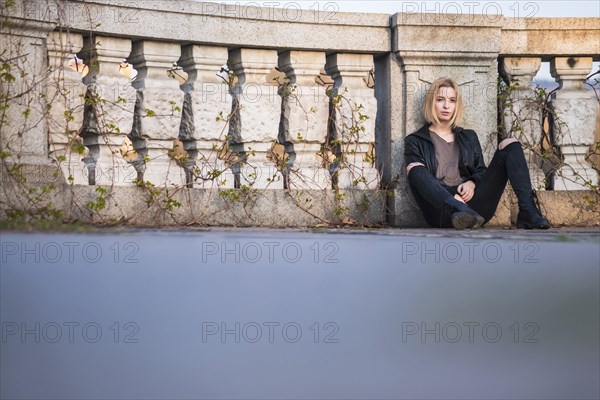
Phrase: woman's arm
{"type": "Point", "coordinates": [478, 161]}
{"type": "Point", "coordinates": [413, 154]}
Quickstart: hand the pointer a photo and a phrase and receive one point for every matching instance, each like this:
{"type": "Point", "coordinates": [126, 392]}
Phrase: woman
{"type": "Point", "coordinates": [447, 174]}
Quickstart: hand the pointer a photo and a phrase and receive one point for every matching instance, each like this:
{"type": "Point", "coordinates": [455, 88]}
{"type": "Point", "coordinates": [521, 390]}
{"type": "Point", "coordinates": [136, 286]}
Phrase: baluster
{"type": "Point", "coordinates": [523, 118]}
{"type": "Point", "coordinates": [109, 111]}
{"type": "Point", "coordinates": [303, 125]}
{"type": "Point", "coordinates": [204, 124]}
{"type": "Point", "coordinates": [256, 111]}
{"type": "Point", "coordinates": [157, 111]}
{"type": "Point", "coordinates": [574, 126]}
{"type": "Point", "coordinates": [66, 91]}
{"type": "Point", "coordinates": [354, 119]}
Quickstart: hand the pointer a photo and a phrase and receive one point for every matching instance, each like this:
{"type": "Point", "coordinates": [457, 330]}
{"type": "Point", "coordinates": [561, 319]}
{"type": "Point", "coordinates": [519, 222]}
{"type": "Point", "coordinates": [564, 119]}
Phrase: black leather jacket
{"type": "Point", "coordinates": [418, 147]}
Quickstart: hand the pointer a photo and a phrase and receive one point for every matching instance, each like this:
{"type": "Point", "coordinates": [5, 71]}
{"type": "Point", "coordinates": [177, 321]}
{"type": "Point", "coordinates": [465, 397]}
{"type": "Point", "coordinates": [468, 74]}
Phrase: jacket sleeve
{"type": "Point", "coordinates": [478, 161]}
{"type": "Point", "coordinates": [413, 151]}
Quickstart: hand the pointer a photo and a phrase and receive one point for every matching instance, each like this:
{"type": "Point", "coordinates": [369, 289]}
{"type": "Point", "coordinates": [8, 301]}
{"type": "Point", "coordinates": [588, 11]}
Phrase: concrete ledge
{"type": "Point", "coordinates": [569, 208]}
{"type": "Point", "coordinates": [230, 25]}
{"type": "Point", "coordinates": [275, 208]}
{"type": "Point", "coordinates": [562, 208]}
{"type": "Point", "coordinates": [406, 214]}
{"type": "Point", "coordinates": [229, 207]}
{"type": "Point", "coordinates": [549, 37]}
{"type": "Point", "coordinates": [137, 206]}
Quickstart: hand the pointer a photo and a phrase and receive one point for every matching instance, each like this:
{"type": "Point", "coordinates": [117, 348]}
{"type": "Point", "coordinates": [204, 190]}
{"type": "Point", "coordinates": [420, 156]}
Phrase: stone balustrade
{"type": "Point", "coordinates": [227, 96]}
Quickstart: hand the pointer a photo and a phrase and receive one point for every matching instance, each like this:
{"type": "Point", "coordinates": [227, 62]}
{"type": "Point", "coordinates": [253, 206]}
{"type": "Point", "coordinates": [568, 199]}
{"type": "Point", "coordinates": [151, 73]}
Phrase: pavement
{"type": "Point", "coordinates": [300, 313]}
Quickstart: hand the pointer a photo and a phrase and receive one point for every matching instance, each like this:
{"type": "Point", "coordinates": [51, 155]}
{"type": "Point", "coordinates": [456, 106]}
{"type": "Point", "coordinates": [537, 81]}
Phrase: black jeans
{"type": "Point", "coordinates": [433, 197]}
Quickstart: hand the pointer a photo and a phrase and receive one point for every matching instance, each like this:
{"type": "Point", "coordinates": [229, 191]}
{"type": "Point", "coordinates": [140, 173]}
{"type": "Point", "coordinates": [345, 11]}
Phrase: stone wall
{"type": "Point", "coordinates": [228, 99]}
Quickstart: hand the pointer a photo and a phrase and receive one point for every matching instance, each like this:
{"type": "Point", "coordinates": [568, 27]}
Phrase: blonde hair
{"type": "Point", "coordinates": [429, 106]}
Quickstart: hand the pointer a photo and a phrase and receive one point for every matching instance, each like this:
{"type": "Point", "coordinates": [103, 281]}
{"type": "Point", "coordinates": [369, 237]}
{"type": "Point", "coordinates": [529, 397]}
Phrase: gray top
{"type": "Point", "coordinates": [447, 155]}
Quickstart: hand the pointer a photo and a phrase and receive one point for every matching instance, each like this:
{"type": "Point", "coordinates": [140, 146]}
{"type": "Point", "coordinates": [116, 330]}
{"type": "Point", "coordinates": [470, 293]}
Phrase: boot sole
{"type": "Point", "coordinates": [478, 222]}
{"type": "Point", "coordinates": [525, 225]}
{"type": "Point", "coordinates": [465, 220]}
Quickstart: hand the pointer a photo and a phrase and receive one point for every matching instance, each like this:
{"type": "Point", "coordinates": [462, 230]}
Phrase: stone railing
{"type": "Point", "coordinates": [227, 96]}
{"type": "Point", "coordinates": [571, 45]}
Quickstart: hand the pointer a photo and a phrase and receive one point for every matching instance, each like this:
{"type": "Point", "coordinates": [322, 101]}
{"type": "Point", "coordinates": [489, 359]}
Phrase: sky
{"type": "Point", "coordinates": [508, 8]}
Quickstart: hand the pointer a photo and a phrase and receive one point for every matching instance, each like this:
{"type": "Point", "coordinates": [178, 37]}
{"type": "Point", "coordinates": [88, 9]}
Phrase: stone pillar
{"type": "Point", "coordinates": [207, 104]}
{"type": "Point", "coordinates": [109, 113]}
{"type": "Point", "coordinates": [255, 116]}
{"type": "Point", "coordinates": [24, 128]}
{"type": "Point", "coordinates": [464, 48]}
{"type": "Point", "coordinates": [66, 91]}
{"type": "Point", "coordinates": [353, 119]}
{"type": "Point", "coordinates": [523, 115]}
{"type": "Point", "coordinates": [303, 125]}
{"type": "Point", "coordinates": [157, 114]}
{"type": "Point", "coordinates": [575, 123]}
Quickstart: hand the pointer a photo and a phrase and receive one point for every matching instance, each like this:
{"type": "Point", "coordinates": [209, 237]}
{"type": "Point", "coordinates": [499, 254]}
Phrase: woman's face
{"type": "Point", "coordinates": [445, 104]}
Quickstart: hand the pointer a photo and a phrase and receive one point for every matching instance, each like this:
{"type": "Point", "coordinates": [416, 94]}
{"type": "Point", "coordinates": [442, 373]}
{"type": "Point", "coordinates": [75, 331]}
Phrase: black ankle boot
{"type": "Point", "coordinates": [464, 217]}
{"type": "Point", "coordinates": [530, 216]}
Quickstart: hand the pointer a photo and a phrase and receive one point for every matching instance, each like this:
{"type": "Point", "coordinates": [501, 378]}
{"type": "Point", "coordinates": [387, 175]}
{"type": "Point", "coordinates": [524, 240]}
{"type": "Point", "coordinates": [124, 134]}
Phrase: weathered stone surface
{"type": "Point", "coordinates": [353, 118]}
{"type": "Point", "coordinates": [255, 114]}
{"type": "Point", "coordinates": [109, 114]}
{"type": "Point", "coordinates": [572, 73]}
{"type": "Point", "coordinates": [65, 91]}
{"type": "Point", "coordinates": [575, 123]}
{"type": "Point", "coordinates": [579, 116]}
{"type": "Point", "coordinates": [275, 26]}
{"type": "Point", "coordinates": [24, 125]}
{"type": "Point", "coordinates": [212, 207]}
{"type": "Point", "coordinates": [306, 109]}
{"type": "Point", "coordinates": [573, 208]}
{"type": "Point", "coordinates": [504, 212]}
{"type": "Point", "coordinates": [158, 110]}
{"type": "Point", "coordinates": [205, 114]}
{"type": "Point", "coordinates": [520, 70]}
{"type": "Point", "coordinates": [547, 36]}
{"type": "Point", "coordinates": [304, 117]}
{"type": "Point", "coordinates": [275, 208]}
{"type": "Point", "coordinates": [390, 127]}
{"type": "Point", "coordinates": [211, 105]}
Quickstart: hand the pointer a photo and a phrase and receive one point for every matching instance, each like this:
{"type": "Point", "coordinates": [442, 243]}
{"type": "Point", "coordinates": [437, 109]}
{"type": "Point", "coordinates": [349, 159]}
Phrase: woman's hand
{"type": "Point", "coordinates": [466, 190]}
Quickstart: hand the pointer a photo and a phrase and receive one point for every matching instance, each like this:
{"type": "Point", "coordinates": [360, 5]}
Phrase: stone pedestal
{"type": "Point", "coordinates": [303, 124]}
{"type": "Point", "coordinates": [523, 114]}
{"type": "Point", "coordinates": [464, 48]}
{"type": "Point", "coordinates": [24, 128]}
{"type": "Point", "coordinates": [575, 122]}
{"type": "Point", "coordinates": [255, 112]}
{"type": "Point", "coordinates": [353, 120]}
{"type": "Point", "coordinates": [157, 111]}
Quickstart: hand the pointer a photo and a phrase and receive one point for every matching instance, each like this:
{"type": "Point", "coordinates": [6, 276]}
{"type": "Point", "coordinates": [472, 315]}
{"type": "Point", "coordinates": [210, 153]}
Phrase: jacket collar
{"type": "Point", "coordinates": [424, 132]}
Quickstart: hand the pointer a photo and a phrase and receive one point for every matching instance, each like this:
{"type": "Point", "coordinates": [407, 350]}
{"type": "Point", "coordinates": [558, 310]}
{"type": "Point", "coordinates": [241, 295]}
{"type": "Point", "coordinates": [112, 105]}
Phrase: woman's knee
{"type": "Point", "coordinates": [506, 142]}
